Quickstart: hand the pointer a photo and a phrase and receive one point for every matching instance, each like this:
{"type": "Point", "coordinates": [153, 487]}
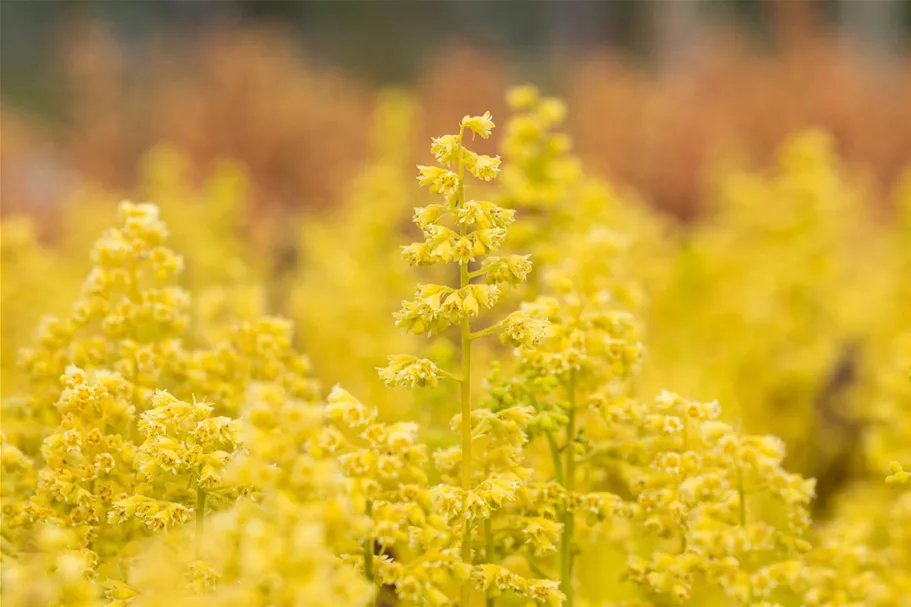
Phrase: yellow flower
{"type": "Point", "coordinates": [481, 125]}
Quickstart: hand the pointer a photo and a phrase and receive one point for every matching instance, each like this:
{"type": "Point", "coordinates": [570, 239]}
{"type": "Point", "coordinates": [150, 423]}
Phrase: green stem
{"type": "Point", "coordinates": [566, 544]}
{"type": "Point", "coordinates": [488, 331]}
{"type": "Point", "coordinates": [555, 455]}
{"type": "Point", "coordinates": [464, 280]}
{"type": "Point", "coordinates": [200, 518]}
{"type": "Point", "coordinates": [450, 376]}
{"type": "Point", "coordinates": [537, 570]}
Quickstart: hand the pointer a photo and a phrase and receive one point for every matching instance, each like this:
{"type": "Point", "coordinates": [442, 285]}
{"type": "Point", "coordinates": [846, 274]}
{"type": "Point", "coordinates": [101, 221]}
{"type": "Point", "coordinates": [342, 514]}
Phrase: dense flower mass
{"type": "Point", "coordinates": [581, 404]}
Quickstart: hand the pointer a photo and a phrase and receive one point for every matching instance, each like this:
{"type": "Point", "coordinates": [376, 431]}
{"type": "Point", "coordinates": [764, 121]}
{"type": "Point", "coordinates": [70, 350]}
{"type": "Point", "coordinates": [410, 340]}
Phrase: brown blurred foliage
{"type": "Point", "coordinates": [301, 128]}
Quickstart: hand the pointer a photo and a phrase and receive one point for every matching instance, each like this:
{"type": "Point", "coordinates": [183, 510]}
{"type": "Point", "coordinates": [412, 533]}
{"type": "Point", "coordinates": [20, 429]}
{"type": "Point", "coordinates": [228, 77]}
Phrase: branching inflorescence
{"type": "Point", "coordinates": [483, 473]}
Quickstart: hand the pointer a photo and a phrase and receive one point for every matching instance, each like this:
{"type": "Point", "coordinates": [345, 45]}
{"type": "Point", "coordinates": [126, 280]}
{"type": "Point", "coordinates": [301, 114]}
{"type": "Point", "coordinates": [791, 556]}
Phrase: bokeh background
{"type": "Point", "coordinates": [658, 90]}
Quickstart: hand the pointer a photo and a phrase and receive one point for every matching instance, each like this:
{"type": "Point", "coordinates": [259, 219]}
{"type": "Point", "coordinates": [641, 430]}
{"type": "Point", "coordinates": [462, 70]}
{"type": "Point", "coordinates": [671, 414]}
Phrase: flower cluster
{"type": "Point", "coordinates": [482, 475]}
{"type": "Point", "coordinates": [384, 467]}
{"type": "Point", "coordinates": [540, 171]}
{"type": "Point", "coordinates": [740, 519]}
{"type": "Point", "coordinates": [126, 320]}
{"type": "Point", "coordinates": [129, 451]}
{"type": "Point", "coordinates": [87, 461]}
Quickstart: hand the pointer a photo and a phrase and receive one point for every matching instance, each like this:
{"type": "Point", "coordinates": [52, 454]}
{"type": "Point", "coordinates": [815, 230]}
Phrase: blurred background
{"type": "Point", "coordinates": [658, 91]}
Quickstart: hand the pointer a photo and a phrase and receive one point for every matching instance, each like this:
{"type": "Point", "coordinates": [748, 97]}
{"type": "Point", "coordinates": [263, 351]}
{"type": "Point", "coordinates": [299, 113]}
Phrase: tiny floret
{"type": "Point", "coordinates": [481, 125]}
{"type": "Point", "coordinates": [410, 372]}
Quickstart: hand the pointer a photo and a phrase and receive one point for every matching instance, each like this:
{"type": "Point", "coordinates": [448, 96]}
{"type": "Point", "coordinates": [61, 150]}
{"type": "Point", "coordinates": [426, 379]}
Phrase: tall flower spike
{"type": "Point", "coordinates": [464, 231]}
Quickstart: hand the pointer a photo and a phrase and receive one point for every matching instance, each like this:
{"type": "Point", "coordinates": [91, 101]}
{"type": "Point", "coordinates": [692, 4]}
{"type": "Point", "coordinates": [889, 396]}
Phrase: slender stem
{"type": "Point", "coordinates": [489, 330]}
{"type": "Point", "coordinates": [368, 548]}
{"type": "Point", "coordinates": [450, 376]}
{"type": "Point", "coordinates": [555, 455]}
{"type": "Point", "coordinates": [200, 518]}
{"type": "Point", "coordinates": [566, 544]}
{"type": "Point", "coordinates": [464, 280]}
{"type": "Point", "coordinates": [537, 570]}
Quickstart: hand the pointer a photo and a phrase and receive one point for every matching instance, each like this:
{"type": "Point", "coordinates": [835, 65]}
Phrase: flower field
{"type": "Point", "coordinates": [510, 381]}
